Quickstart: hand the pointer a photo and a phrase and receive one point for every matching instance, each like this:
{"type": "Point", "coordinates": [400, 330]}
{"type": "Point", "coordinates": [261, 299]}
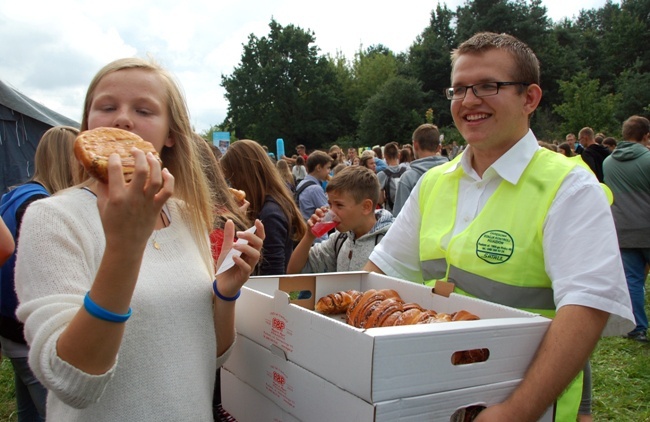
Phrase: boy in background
{"type": "Point", "coordinates": [352, 196]}
{"type": "Point", "coordinates": [309, 192]}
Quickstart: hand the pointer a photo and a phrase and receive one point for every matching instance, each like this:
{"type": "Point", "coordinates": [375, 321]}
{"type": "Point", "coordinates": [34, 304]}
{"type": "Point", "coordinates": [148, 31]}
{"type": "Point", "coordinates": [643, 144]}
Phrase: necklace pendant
{"type": "Point", "coordinates": [156, 245]}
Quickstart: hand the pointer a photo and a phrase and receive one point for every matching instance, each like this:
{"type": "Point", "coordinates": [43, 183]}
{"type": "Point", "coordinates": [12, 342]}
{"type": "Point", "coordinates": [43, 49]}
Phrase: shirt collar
{"type": "Point", "coordinates": [509, 167]}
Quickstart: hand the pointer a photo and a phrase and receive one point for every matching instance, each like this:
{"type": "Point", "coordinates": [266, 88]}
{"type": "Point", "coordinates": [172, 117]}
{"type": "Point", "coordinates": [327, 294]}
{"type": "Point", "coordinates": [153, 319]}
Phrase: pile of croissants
{"type": "Point", "coordinates": [385, 308]}
{"type": "Point", "coordinates": [382, 308]}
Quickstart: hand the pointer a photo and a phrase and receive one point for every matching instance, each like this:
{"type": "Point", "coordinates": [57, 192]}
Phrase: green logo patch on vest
{"type": "Point", "coordinates": [495, 246]}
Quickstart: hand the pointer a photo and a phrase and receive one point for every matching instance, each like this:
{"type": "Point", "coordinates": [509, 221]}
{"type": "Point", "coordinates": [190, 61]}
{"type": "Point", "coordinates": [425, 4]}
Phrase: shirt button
{"type": "Point", "coordinates": [467, 219]}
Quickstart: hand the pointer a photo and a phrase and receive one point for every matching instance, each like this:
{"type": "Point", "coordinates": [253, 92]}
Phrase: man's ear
{"type": "Point", "coordinates": [533, 97]}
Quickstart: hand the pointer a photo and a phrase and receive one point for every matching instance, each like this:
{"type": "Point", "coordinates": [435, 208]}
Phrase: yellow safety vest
{"type": "Point", "coordinates": [499, 256]}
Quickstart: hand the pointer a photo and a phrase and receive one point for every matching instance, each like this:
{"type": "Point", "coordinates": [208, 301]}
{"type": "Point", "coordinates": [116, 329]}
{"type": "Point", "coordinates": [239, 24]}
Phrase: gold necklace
{"type": "Point", "coordinates": [155, 244]}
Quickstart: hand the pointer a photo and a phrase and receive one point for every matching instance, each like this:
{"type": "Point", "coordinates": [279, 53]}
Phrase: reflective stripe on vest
{"type": "Point", "coordinates": [538, 298]}
{"type": "Point", "coordinates": [500, 252]}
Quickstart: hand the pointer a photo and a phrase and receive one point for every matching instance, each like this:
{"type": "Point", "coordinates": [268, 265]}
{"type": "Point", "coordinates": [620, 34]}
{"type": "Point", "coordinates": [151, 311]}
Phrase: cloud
{"type": "Point", "coordinates": [51, 50]}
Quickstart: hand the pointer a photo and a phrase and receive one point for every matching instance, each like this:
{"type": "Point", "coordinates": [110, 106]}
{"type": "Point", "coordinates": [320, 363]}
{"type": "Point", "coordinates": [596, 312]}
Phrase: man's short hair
{"type": "Point", "coordinates": [317, 158]}
{"type": "Point", "coordinates": [391, 151]}
{"type": "Point", "coordinates": [635, 128]}
{"type": "Point", "coordinates": [357, 181]}
{"type": "Point", "coordinates": [427, 136]}
{"type": "Point", "coordinates": [301, 146]}
{"type": "Point", "coordinates": [586, 131]}
{"type": "Point", "coordinates": [526, 64]}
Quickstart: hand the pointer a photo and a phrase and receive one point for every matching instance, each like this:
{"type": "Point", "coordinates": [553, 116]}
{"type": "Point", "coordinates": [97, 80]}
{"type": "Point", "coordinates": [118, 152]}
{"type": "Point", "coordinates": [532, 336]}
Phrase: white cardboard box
{"type": "Point", "coordinates": [256, 377]}
{"type": "Point", "coordinates": [244, 403]}
{"type": "Point", "coordinates": [380, 364]}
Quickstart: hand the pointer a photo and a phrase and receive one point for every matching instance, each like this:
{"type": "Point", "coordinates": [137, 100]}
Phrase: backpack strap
{"type": "Point", "coordinates": [342, 237]}
{"type": "Point", "coordinates": [338, 244]}
{"type": "Point", "coordinates": [391, 175]}
{"type": "Point", "coordinates": [304, 186]}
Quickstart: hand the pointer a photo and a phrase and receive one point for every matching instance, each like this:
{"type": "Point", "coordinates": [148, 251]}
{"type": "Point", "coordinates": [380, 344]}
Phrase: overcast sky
{"type": "Point", "coordinates": [50, 51]}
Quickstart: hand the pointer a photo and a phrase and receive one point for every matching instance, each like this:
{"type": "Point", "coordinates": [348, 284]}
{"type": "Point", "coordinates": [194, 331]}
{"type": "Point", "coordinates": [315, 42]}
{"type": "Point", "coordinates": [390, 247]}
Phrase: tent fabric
{"type": "Point", "coordinates": [22, 123]}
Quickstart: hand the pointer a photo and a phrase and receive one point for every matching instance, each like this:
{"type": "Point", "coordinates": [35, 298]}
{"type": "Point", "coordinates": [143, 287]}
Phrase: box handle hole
{"type": "Point", "coordinates": [466, 357]}
{"type": "Point", "coordinates": [300, 294]}
{"type": "Point", "coordinates": [466, 414]}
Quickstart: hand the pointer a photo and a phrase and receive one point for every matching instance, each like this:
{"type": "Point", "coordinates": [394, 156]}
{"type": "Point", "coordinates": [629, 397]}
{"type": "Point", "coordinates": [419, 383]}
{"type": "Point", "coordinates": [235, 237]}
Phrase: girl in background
{"type": "Point", "coordinates": [247, 167]}
{"type": "Point", "coordinates": [299, 170]}
{"type": "Point", "coordinates": [285, 174]}
{"type": "Point", "coordinates": [55, 168]}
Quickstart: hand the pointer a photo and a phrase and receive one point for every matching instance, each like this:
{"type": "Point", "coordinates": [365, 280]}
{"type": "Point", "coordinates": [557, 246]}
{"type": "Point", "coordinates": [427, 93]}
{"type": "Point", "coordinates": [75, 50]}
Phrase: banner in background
{"type": "Point", "coordinates": [221, 140]}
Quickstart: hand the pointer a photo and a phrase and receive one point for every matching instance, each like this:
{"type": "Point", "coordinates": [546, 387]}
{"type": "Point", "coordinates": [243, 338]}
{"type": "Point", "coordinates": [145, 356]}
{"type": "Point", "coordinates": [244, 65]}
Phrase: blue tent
{"type": "Point", "coordinates": [22, 123]}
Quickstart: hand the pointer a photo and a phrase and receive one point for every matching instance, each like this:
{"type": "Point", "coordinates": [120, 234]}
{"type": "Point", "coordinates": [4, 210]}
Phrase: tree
{"type": "Point", "coordinates": [634, 89]}
{"type": "Point", "coordinates": [393, 113]}
{"type": "Point", "coordinates": [585, 104]}
{"type": "Point", "coordinates": [528, 22]}
{"type": "Point", "coordinates": [283, 88]}
{"type": "Point", "coordinates": [429, 61]}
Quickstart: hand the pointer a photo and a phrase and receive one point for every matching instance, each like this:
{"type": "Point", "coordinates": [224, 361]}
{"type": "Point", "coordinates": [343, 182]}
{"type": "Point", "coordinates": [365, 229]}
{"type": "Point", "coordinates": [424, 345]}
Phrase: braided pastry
{"type": "Point", "coordinates": [365, 304]}
{"type": "Point", "coordinates": [336, 303]}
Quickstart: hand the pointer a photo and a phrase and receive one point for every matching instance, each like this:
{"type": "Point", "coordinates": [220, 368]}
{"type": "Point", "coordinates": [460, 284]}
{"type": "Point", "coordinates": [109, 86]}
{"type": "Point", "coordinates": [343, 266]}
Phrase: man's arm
{"type": "Point", "coordinates": [569, 341]}
{"type": "Point", "coordinates": [372, 268]}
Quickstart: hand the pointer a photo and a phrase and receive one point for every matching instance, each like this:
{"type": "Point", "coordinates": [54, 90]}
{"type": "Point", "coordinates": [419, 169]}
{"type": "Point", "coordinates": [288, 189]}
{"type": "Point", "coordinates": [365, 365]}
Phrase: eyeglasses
{"type": "Point", "coordinates": [484, 89]}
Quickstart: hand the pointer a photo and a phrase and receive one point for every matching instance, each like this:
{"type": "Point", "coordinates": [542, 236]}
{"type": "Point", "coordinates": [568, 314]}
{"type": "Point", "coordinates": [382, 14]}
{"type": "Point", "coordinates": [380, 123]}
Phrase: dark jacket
{"type": "Point", "coordinates": [277, 246]}
{"type": "Point", "coordinates": [594, 155]}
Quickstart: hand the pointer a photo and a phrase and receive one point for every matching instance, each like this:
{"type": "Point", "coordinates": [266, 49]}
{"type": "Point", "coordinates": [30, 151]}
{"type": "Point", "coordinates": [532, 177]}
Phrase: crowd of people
{"type": "Point", "coordinates": [118, 310]}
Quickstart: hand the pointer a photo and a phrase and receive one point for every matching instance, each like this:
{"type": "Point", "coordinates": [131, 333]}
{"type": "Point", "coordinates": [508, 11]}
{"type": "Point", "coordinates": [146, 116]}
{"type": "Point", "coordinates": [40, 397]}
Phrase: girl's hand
{"type": "Point", "coordinates": [130, 211]}
{"type": "Point", "coordinates": [232, 280]}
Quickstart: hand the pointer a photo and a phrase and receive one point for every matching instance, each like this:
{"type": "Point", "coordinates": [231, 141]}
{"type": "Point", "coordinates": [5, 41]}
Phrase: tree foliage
{"type": "Point", "coordinates": [585, 104]}
{"type": "Point", "coordinates": [283, 89]}
{"type": "Point", "coordinates": [393, 113]}
{"type": "Point", "coordinates": [594, 72]}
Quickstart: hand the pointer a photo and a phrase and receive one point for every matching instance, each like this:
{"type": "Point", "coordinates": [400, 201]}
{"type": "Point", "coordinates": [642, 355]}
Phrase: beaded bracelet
{"type": "Point", "coordinates": [100, 313]}
{"type": "Point", "coordinates": [227, 299]}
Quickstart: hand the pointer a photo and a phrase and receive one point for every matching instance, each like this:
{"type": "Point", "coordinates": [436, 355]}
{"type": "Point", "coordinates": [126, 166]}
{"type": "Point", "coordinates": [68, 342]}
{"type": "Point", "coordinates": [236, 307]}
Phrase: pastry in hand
{"type": "Point", "coordinates": [93, 147]}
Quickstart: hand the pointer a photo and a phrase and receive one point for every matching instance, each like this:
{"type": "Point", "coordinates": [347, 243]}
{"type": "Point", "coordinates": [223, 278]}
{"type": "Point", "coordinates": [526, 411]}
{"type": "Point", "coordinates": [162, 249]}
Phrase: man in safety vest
{"type": "Point", "coordinates": [503, 221]}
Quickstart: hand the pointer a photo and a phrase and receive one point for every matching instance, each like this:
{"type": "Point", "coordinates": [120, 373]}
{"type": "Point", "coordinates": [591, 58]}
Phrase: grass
{"type": "Point", "coordinates": [620, 376]}
{"type": "Point", "coordinates": [7, 396]}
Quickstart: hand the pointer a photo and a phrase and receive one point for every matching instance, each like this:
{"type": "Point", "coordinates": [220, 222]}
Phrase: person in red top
{"type": "Point", "coordinates": [302, 151]}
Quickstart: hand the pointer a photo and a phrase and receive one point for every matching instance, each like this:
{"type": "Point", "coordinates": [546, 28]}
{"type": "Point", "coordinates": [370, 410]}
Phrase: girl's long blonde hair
{"type": "Point", "coordinates": [182, 159]}
{"type": "Point", "coordinates": [55, 166]}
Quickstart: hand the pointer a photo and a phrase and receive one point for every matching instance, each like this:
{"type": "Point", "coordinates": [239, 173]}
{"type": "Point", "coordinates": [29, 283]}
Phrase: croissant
{"type": "Point", "coordinates": [364, 305]}
{"type": "Point", "coordinates": [464, 316]}
{"type": "Point", "coordinates": [336, 303]}
{"type": "Point", "coordinates": [382, 311]}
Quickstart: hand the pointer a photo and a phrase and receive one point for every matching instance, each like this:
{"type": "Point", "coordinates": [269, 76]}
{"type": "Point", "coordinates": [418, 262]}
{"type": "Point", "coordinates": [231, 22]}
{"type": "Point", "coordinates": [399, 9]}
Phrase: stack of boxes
{"type": "Point", "coordinates": [293, 364]}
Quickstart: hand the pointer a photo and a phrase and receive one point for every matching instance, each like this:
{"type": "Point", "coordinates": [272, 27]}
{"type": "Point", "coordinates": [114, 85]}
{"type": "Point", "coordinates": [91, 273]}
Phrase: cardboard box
{"type": "Point", "coordinates": [380, 364]}
{"type": "Point", "coordinates": [255, 376]}
{"type": "Point", "coordinates": [244, 403]}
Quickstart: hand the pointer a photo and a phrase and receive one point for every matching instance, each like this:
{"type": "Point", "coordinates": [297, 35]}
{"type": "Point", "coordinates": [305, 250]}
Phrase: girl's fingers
{"type": "Point", "coordinates": [115, 173]}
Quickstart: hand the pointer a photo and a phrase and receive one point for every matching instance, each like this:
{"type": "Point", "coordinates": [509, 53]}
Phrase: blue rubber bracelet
{"type": "Point", "coordinates": [227, 299]}
{"type": "Point", "coordinates": [100, 313]}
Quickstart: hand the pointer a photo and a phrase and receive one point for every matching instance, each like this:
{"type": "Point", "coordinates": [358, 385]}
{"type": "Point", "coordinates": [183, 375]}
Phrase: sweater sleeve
{"type": "Point", "coordinates": [322, 257]}
{"type": "Point", "coordinates": [52, 276]}
{"type": "Point", "coordinates": [276, 229]}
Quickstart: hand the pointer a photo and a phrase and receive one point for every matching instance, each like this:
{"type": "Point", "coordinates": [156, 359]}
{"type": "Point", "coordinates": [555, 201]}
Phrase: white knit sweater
{"type": "Point", "coordinates": [166, 364]}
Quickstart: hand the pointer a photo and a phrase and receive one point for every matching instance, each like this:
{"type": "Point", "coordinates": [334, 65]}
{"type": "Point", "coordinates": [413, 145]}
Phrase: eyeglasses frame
{"type": "Point", "coordinates": [467, 87]}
